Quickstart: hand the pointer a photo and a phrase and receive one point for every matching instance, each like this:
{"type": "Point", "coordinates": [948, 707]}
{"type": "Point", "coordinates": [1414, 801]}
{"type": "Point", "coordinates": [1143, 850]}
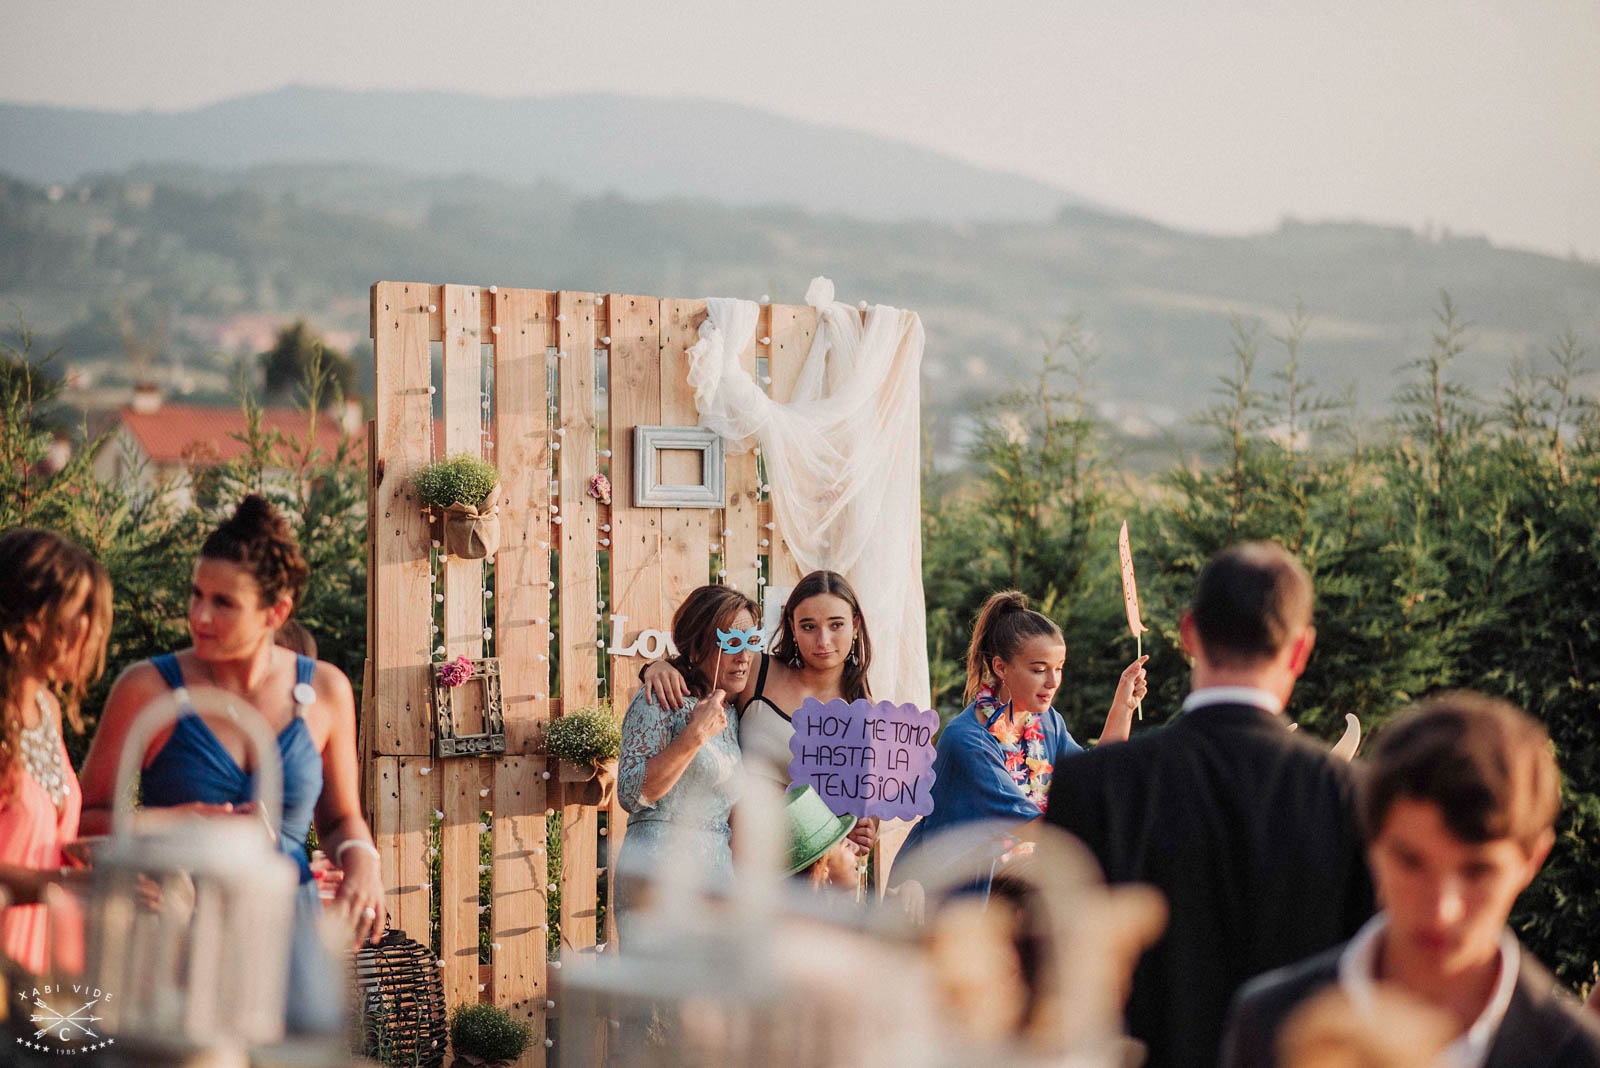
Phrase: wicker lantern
{"type": "Point", "coordinates": [401, 998]}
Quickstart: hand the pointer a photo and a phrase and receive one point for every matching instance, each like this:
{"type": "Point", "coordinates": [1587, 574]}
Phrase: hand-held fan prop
{"type": "Point", "coordinates": [1130, 596]}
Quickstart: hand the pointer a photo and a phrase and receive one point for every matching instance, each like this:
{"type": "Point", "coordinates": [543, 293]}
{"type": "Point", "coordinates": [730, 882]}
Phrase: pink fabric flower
{"type": "Point", "coordinates": [456, 672]}
{"type": "Point", "coordinates": [600, 489]}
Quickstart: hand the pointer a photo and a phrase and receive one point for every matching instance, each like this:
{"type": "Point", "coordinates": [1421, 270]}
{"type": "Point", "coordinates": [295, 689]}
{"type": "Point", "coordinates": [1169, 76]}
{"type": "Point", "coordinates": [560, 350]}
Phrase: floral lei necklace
{"type": "Point", "coordinates": [1023, 748]}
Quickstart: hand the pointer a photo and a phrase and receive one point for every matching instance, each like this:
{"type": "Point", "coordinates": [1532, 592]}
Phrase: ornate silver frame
{"type": "Point", "coordinates": [446, 742]}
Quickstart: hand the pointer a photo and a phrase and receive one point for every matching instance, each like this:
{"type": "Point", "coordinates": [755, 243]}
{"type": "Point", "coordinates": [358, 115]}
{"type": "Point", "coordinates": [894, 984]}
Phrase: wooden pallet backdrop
{"type": "Point", "coordinates": [548, 386]}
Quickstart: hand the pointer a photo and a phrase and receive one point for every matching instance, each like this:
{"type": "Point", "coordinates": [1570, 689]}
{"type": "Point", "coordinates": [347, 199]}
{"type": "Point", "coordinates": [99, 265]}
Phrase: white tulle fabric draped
{"type": "Point", "coordinates": [842, 456]}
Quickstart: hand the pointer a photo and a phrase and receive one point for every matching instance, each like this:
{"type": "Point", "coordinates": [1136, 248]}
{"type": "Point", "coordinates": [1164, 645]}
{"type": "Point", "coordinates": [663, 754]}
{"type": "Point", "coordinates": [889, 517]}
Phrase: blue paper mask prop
{"type": "Point", "coordinates": [737, 641]}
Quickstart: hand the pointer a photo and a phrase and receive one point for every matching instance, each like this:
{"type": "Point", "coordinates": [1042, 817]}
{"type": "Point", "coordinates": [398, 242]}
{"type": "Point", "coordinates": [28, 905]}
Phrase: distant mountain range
{"type": "Point", "coordinates": [637, 147]}
{"type": "Point", "coordinates": [209, 246]}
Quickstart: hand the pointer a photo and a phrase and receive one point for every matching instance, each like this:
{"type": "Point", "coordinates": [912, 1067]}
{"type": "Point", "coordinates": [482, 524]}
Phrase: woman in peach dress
{"type": "Point", "coordinates": [55, 616]}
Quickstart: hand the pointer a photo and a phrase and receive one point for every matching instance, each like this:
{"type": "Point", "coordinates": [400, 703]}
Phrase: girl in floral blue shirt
{"type": "Point", "coordinates": [994, 761]}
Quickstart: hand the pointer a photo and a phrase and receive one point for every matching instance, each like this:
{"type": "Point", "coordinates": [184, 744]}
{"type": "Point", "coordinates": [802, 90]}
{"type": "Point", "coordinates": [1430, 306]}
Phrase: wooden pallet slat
{"type": "Point", "coordinates": [741, 519]}
{"type": "Point", "coordinates": [579, 600]}
{"type": "Point", "coordinates": [522, 566]}
{"type": "Point", "coordinates": [685, 532]}
{"type": "Point", "coordinates": [635, 400]}
{"type": "Point", "coordinates": [400, 561]}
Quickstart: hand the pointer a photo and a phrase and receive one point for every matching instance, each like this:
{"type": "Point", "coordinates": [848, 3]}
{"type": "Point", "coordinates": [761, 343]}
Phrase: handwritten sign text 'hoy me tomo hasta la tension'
{"type": "Point", "coordinates": [865, 759]}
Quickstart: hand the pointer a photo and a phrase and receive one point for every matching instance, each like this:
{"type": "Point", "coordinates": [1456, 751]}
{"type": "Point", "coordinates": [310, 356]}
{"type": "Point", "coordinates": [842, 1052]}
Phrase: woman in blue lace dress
{"type": "Point", "coordinates": [679, 767]}
{"type": "Point", "coordinates": [245, 586]}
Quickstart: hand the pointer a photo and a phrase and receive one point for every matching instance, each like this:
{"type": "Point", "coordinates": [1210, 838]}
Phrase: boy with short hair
{"type": "Point", "coordinates": [1458, 811]}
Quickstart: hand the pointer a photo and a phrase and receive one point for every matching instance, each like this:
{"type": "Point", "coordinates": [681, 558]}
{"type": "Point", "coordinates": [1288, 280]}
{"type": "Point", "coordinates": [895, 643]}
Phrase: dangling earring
{"type": "Point", "coordinates": [796, 661]}
{"type": "Point", "coordinates": [853, 660]}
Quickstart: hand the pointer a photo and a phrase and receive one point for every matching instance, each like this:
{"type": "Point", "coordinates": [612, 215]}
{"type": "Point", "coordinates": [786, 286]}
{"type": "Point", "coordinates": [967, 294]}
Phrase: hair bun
{"type": "Point", "coordinates": [1009, 601]}
{"type": "Point", "coordinates": [255, 513]}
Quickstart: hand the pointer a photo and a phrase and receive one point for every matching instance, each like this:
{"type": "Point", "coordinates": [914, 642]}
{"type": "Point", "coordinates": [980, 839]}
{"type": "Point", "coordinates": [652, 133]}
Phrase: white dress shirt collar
{"type": "Point", "coordinates": [1233, 695]}
{"type": "Point", "coordinates": [1358, 966]}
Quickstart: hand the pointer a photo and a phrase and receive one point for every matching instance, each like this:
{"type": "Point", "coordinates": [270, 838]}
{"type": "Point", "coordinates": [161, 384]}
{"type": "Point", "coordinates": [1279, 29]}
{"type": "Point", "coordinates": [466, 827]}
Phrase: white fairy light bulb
{"type": "Point", "coordinates": [770, 525]}
{"type": "Point", "coordinates": [724, 533]}
{"type": "Point", "coordinates": [554, 507]}
{"type": "Point", "coordinates": [561, 431]}
{"type": "Point", "coordinates": [540, 619]}
{"type": "Point", "coordinates": [862, 305]}
{"type": "Point", "coordinates": [438, 815]}
{"type": "Point", "coordinates": [605, 528]}
{"type": "Point", "coordinates": [438, 651]}
{"type": "Point", "coordinates": [556, 519]}
{"type": "Point", "coordinates": [722, 574]}
{"type": "Point", "coordinates": [606, 453]}
{"type": "Point", "coordinates": [488, 632]}
{"type": "Point", "coordinates": [548, 1003]}
{"type": "Point", "coordinates": [494, 330]}
{"type": "Point", "coordinates": [432, 390]}
{"type": "Point", "coordinates": [438, 597]}
{"type": "Point", "coordinates": [549, 584]}
{"type": "Point", "coordinates": [544, 775]}
{"type": "Point", "coordinates": [605, 543]}
{"type": "Point", "coordinates": [483, 792]}
{"type": "Point", "coordinates": [606, 340]}
{"type": "Point", "coordinates": [765, 299]}
{"type": "Point", "coordinates": [426, 771]}
{"type": "Point", "coordinates": [601, 642]}
{"type": "Point", "coordinates": [549, 811]}
{"type": "Point", "coordinates": [432, 308]}
{"type": "Point", "coordinates": [436, 544]}
{"type": "Point", "coordinates": [494, 289]}
{"type": "Point", "coordinates": [549, 1043]}
{"type": "Point", "coordinates": [488, 594]}
{"type": "Point", "coordinates": [766, 341]}
{"type": "Point", "coordinates": [760, 581]}
{"type": "Point", "coordinates": [763, 543]}
{"type": "Point", "coordinates": [716, 548]}
{"type": "Point", "coordinates": [766, 380]}
{"type": "Point", "coordinates": [556, 445]}
{"type": "Point", "coordinates": [482, 986]}
{"type": "Point", "coordinates": [602, 832]}
{"type": "Point", "coordinates": [541, 656]}
{"type": "Point", "coordinates": [561, 318]}
{"type": "Point", "coordinates": [599, 605]}
{"type": "Point", "coordinates": [554, 964]}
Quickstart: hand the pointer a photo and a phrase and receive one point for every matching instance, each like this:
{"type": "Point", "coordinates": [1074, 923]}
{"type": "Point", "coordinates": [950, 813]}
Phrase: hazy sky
{"type": "Point", "coordinates": [1479, 115]}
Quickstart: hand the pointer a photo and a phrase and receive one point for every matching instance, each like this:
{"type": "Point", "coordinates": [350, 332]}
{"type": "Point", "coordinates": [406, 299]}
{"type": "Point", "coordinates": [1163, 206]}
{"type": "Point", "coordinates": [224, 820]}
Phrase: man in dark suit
{"type": "Point", "coordinates": [1459, 812]}
{"type": "Point", "coordinates": [1247, 829]}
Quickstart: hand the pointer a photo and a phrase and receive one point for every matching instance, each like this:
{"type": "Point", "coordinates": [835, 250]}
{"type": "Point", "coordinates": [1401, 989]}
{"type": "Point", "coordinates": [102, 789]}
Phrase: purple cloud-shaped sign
{"type": "Point", "coordinates": [865, 759]}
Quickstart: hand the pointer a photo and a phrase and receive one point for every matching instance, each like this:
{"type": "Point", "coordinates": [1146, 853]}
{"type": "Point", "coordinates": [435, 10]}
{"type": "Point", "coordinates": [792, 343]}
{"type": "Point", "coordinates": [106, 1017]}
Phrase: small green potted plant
{"type": "Point", "coordinates": [486, 1035]}
{"type": "Point", "coordinates": [466, 490]}
{"type": "Point", "coordinates": [587, 741]}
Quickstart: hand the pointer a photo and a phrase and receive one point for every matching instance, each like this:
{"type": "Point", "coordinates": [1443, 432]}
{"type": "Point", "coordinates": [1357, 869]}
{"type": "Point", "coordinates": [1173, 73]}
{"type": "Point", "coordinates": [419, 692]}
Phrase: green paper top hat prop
{"type": "Point", "coordinates": [813, 828]}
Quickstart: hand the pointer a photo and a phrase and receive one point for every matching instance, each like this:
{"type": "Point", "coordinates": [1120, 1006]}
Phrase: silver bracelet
{"type": "Point", "coordinates": [355, 843]}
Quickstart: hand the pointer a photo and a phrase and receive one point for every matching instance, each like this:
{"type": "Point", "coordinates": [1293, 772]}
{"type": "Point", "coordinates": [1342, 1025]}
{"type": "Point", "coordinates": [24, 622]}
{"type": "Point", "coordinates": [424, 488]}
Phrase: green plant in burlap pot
{"type": "Point", "coordinates": [486, 1035]}
{"type": "Point", "coordinates": [587, 741]}
{"type": "Point", "coordinates": [466, 490]}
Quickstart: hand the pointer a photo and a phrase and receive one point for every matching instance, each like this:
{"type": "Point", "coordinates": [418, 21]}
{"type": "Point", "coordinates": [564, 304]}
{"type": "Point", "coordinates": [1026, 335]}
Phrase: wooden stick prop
{"type": "Point", "coordinates": [1130, 597]}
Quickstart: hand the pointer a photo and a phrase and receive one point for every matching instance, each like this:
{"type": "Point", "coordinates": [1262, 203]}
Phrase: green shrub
{"type": "Point", "coordinates": [487, 1032]}
{"type": "Point", "coordinates": [590, 735]}
{"type": "Point", "coordinates": [458, 479]}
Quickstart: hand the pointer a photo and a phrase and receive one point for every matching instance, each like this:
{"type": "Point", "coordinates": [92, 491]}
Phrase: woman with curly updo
{"type": "Point", "coordinates": [55, 616]}
{"type": "Point", "coordinates": [246, 585]}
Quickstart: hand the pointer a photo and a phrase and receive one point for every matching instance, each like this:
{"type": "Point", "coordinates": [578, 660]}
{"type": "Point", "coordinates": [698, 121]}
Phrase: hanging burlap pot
{"type": "Point", "coordinates": [473, 533]}
{"type": "Point", "coordinates": [589, 784]}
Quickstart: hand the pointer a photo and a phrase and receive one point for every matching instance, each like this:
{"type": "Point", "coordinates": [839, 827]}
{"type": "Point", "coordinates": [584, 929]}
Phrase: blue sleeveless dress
{"type": "Point", "coordinates": [194, 765]}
